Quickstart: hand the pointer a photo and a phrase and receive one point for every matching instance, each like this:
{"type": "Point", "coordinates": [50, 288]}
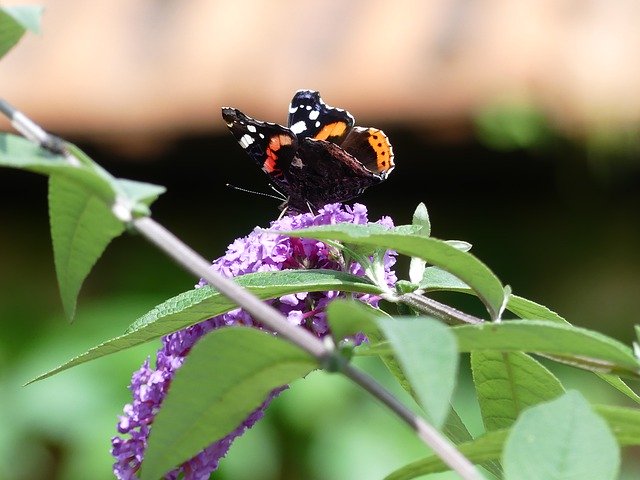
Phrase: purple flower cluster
{"type": "Point", "coordinates": [259, 251]}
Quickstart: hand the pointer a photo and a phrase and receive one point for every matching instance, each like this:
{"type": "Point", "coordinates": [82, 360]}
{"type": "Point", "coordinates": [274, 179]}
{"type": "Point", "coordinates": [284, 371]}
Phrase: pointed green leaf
{"type": "Point", "coordinates": [507, 383]}
{"type": "Point", "coordinates": [81, 228]}
{"type": "Point", "coordinates": [426, 351]}
{"type": "Point", "coordinates": [584, 348]}
{"type": "Point", "coordinates": [15, 21]}
{"type": "Point", "coordinates": [421, 218]}
{"type": "Point", "coordinates": [528, 309]}
{"type": "Point", "coordinates": [561, 440]}
{"type": "Point", "coordinates": [196, 305]}
{"type": "Point", "coordinates": [623, 422]}
{"type": "Point", "coordinates": [617, 383]}
{"type": "Point", "coordinates": [228, 374]}
{"type": "Point", "coordinates": [141, 192]}
{"type": "Point", "coordinates": [436, 252]}
{"type": "Point", "coordinates": [579, 347]}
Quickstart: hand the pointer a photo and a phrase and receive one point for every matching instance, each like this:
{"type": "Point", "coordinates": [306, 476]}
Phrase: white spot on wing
{"type": "Point", "coordinates": [251, 128]}
{"type": "Point", "coordinates": [298, 127]}
{"type": "Point", "coordinates": [261, 135]}
{"type": "Point", "coordinates": [317, 124]}
{"type": "Point", "coordinates": [313, 115]}
{"type": "Point", "coordinates": [293, 109]}
{"type": "Point", "coordinates": [246, 140]}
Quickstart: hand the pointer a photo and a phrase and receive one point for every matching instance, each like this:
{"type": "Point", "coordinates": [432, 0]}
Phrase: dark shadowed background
{"type": "Point", "coordinates": [515, 122]}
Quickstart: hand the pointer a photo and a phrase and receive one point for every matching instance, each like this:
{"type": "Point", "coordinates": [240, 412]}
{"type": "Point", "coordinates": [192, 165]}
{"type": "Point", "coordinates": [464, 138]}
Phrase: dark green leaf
{"type": "Point", "coordinates": [436, 252]}
{"type": "Point", "coordinates": [81, 228]}
{"type": "Point", "coordinates": [228, 374]}
{"type": "Point", "coordinates": [561, 439]}
{"type": "Point", "coordinates": [426, 351]}
{"type": "Point", "coordinates": [507, 383]}
{"type": "Point", "coordinates": [14, 21]}
{"type": "Point", "coordinates": [197, 305]}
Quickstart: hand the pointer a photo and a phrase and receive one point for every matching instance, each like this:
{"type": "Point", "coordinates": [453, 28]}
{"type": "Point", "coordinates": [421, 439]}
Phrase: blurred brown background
{"type": "Point", "coordinates": [516, 122]}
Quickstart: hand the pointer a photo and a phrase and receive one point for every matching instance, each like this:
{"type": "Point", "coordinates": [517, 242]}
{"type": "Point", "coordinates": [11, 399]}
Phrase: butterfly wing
{"type": "Point", "coordinates": [372, 149]}
{"type": "Point", "coordinates": [310, 117]}
{"type": "Point", "coordinates": [270, 145]}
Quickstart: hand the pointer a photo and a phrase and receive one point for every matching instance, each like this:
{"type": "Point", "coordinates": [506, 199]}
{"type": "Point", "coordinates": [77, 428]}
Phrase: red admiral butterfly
{"type": "Point", "coordinates": [321, 158]}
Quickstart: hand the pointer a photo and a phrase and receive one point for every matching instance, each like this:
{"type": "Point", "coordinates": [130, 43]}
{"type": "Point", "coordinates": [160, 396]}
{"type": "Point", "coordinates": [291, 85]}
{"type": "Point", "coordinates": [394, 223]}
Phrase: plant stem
{"type": "Point", "coordinates": [447, 314]}
{"type": "Point", "coordinates": [426, 432]}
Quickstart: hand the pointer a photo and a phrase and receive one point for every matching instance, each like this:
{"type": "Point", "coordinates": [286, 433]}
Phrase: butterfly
{"type": "Point", "coordinates": [321, 157]}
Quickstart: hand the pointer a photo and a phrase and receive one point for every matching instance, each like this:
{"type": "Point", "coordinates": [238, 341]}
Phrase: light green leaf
{"type": "Point", "coordinates": [141, 192]}
{"type": "Point", "coordinates": [524, 308]}
{"type": "Point", "coordinates": [623, 422]}
{"type": "Point", "coordinates": [584, 348]}
{"type": "Point", "coordinates": [15, 21]}
{"type": "Point", "coordinates": [507, 383]}
{"type": "Point", "coordinates": [436, 252]}
{"type": "Point", "coordinates": [579, 347]}
{"type": "Point", "coordinates": [426, 351]}
{"type": "Point", "coordinates": [561, 440]}
{"type": "Point", "coordinates": [81, 228]}
{"type": "Point", "coordinates": [421, 218]}
{"type": "Point", "coordinates": [18, 152]}
{"type": "Point", "coordinates": [194, 306]}
{"type": "Point", "coordinates": [228, 374]}
{"type": "Point", "coordinates": [348, 317]}
{"type": "Point", "coordinates": [435, 278]}
{"type": "Point", "coordinates": [483, 449]}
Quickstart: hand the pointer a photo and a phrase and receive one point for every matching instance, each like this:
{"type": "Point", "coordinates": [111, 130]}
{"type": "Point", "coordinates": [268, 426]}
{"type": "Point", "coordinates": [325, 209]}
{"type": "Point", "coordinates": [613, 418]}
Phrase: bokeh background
{"type": "Point", "coordinates": [517, 123]}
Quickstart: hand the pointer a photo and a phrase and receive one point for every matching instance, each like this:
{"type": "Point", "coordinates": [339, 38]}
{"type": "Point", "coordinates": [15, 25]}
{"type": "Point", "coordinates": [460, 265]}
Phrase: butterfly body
{"type": "Point", "coordinates": [320, 158]}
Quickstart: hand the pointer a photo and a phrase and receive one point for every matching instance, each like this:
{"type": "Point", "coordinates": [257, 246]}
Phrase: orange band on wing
{"type": "Point", "coordinates": [384, 153]}
{"type": "Point", "coordinates": [336, 129]}
{"type": "Point", "coordinates": [275, 143]}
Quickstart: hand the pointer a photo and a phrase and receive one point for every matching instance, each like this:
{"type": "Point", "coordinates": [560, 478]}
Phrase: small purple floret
{"type": "Point", "coordinates": [259, 251]}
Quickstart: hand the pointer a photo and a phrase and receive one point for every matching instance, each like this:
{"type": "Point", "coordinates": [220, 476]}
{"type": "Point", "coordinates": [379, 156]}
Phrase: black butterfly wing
{"type": "Point", "coordinates": [270, 145]}
{"type": "Point", "coordinates": [310, 117]}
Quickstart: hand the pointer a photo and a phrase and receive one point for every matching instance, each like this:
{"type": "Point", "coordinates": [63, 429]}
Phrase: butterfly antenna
{"type": "Point", "coordinates": [254, 192]}
{"type": "Point", "coordinates": [281, 195]}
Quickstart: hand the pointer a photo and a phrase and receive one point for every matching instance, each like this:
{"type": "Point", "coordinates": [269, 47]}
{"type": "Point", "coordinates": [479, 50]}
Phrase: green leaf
{"type": "Point", "coordinates": [348, 317]}
{"type": "Point", "coordinates": [17, 152]}
{"type": "Point", "coordinates": [421, 218]}
{"type": "Point", "coordinates": [81, 228]}
{"type": "Point", "coordinates": [579, 347]}
{"type": "Point", "coordinates": [426, 351]}
{"type": "Point", "coordinates": [584, 348]}
{"type": "Point", "coordinates": [483, 449]}
{"type": "Point", "coordinates": [435, 278]}
{"type": "Point", "coordinates": [228, 374]}
{"type": "Point", "coordinates": [436, 252]}
{"type": "Point", "coordinates": [528, 309]}
{"type": "Point", "coordinates": [561, 439]}
{"type": "Point", "coordinates": [141, 192]}
{"type": "Point", "coordinates": [623, 422]}
{"type": "Point", "coordinates": [15, 21]}
{"type": "Point", "coordinates": [507, 383]}
{"type": "Point", "coordinates": [196, 305]}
